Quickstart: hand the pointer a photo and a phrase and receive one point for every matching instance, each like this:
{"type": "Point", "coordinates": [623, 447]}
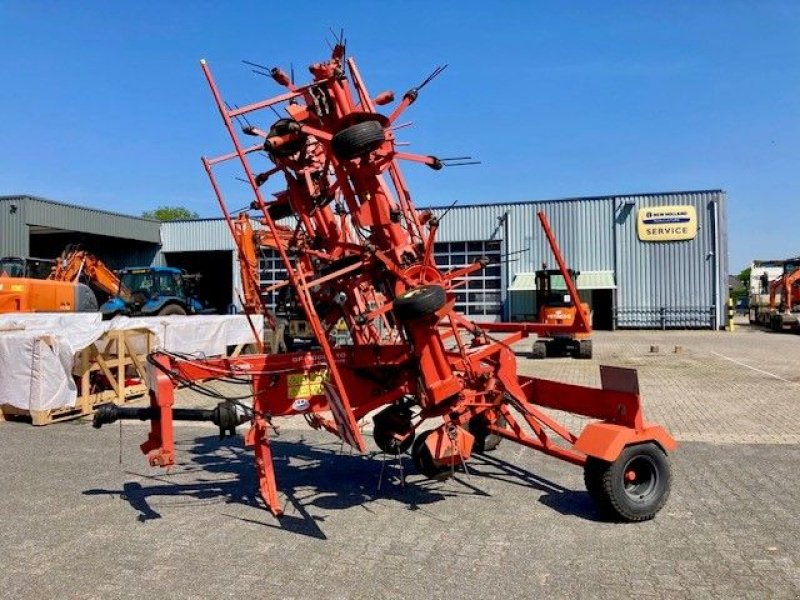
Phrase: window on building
{"type": "Point", "coordinates": [477, 295]}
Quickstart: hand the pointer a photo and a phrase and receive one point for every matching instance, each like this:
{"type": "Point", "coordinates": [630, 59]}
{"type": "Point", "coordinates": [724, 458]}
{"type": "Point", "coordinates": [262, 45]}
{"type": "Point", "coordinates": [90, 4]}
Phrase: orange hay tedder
{"type": "Point", "coordinates": [355, 248]}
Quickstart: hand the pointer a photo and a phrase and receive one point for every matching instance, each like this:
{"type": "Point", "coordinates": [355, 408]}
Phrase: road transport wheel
{"type": "Point", "coordinates": [478, 426]}
{"type": "Point", "coordinates": [632, 488]}
{"type": "Point", "coordinates": [357, 140]}
{"type": "Point", "coordinates": [539, 349]}
{"type": "Point", "coordinates": [423, 460]}
{"type": "Point", "coordinates": [391, 421]}
{"type": "Point", "coordinates": [171, 309]}
{"type": "Point", "coordinates": [419, 302]}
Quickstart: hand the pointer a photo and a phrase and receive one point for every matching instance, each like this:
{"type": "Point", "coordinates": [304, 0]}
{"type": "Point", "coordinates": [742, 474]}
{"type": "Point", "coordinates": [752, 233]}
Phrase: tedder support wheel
{"type": "Point", "coordinates": [419, 302]}
{"type": "Point", "coordinates": [423, 460]}
{"type": "Point", "coordinates": [585, 349]}
{"type": "Point", "coordinates": [357, 140]}
{"type": "Point", "coordinates": [632, 488]}
{"type": "Point", "coordinates": [539, 349]}
{"type": "Point", "coordinates": [478, 426]}
{"type": "Point", "coordinates": [171, 309]}
{"type": "Point", "coordinates": [390, 422]}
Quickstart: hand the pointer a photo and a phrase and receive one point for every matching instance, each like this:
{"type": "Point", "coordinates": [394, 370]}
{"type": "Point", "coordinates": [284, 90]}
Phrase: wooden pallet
{"type": "Point", "coordinates": [110, 360]}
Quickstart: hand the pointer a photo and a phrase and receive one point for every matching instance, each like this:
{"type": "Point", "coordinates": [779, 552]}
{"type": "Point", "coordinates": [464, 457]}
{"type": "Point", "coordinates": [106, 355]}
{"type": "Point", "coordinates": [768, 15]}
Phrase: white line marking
{"type": "Point", "coordinates": [733, 360]}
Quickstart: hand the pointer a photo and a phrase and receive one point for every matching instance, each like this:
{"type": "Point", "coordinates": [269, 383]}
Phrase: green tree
{"type": "Point", "coordinates": [744, 277]}
{"type": "Point", "coordinates": [742, 292]}
{"type": "Point", "coordinates": [170, 213]}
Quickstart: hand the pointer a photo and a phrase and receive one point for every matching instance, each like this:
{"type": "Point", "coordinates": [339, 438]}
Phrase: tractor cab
{"type": "Point", "coordinates": [151, 291]}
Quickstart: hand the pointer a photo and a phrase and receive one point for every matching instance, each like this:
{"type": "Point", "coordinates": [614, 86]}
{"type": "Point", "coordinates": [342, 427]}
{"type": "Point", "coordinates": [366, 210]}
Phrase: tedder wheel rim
{"type": "Point", "coordinates": [640, 475]}
{"type": "Point", "coordinates": [632, 488]}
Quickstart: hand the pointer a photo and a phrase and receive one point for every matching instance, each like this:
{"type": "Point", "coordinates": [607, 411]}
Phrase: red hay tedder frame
{"type": "Point", "coordinates": [358, 250]}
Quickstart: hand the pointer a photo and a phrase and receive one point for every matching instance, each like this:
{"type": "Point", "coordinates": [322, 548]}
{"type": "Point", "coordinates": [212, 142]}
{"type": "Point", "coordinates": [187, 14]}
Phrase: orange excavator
{"type": "Point", "coordinates": [21, 291]}
{"type": "Point", "coordinates": [783, 312]}
{"type": "Point", "coordinates": [556, 307]}
{"type": "Point", "coordinates": [78, 265]}
{"type": "Point", "coordinates": [64, 290]}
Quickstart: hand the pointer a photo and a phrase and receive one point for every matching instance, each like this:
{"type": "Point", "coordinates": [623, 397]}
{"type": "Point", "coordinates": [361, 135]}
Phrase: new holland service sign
{"type": "Point", "coordinates": [667, 223]}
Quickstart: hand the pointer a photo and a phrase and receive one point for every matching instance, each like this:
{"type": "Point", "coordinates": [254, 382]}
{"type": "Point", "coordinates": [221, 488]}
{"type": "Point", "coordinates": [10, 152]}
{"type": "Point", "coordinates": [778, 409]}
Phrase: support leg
{"type": "Point", "coordinates": [267, 483]}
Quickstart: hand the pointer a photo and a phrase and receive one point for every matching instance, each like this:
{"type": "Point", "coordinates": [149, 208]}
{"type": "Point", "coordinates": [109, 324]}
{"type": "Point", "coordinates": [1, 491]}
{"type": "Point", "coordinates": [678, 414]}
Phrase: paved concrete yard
{"type": "Point", "coordinates": [75, 523]}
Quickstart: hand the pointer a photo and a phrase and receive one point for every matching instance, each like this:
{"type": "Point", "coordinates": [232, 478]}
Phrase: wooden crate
{"type": "Point", "coordinates": [106, 362]}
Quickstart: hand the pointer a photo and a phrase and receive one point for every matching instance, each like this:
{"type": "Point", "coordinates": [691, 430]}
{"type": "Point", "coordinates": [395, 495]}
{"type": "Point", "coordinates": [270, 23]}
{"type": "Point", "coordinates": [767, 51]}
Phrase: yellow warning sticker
{"type": "Point", "coordinates": [305, 385]}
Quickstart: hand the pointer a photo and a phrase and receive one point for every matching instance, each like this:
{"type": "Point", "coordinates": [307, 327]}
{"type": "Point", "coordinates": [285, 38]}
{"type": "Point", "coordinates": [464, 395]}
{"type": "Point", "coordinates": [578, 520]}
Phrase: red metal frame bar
{"type": "Point", "coordinates": [361, 251]}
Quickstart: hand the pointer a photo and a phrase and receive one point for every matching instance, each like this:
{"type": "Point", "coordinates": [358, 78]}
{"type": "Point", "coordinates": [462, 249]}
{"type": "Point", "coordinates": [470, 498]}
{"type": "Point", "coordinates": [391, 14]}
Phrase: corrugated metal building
{"type": "Point", "coordinates": [634, 270]}
{"type": "Point", "coordinates": [635, 282]}
{"type": "Point", "coordinates": [36, 227]}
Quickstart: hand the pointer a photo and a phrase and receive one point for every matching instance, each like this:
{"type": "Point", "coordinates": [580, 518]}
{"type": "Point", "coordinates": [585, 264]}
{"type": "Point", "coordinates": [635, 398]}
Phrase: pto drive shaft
{"type": "Point", "coordinates": [226, 415]}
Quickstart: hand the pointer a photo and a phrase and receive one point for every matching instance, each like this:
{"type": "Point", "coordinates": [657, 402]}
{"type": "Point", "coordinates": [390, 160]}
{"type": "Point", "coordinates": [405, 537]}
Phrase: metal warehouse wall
{"type": "Point", "coordinates": [47, 213]}
{"type": "Point", "coordinates": [686, 278]}
{"type": "Point", "coordinates": [658, 283]}
{"type": "Point", "coordinates": [18, 214]}
{"type": "Point", "coordinates": [196, 236]}
{"type": "Point", "coordinates": [677, 281]}
{"type": "Point", "coordinates": [13, 227]}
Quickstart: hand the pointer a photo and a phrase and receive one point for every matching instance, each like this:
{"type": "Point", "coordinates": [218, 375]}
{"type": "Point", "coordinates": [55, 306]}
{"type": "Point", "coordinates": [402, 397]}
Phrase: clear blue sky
{"type": "Point", "coordinates": [104, 104]}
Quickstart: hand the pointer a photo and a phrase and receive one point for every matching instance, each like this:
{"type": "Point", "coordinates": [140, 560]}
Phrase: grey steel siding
{"type": "Point", "coordinates": [658, 283]}
{"type": "Point", "coordinates": [74, 218]}
{"type": "Point", "coordinates": [582, 227]}
{"type": "Point", "coordinates": [196, 236]}
{"type": "Point", "coordinates": [673, 284]}
{"type": "Point", "coordinates": [13, 227]}
{"type": "Point", "coordinates": [668, 283]}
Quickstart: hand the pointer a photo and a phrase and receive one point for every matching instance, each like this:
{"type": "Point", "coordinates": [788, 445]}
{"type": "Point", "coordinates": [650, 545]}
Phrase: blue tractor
{"type": "Point", "coordinates": [151, 291]}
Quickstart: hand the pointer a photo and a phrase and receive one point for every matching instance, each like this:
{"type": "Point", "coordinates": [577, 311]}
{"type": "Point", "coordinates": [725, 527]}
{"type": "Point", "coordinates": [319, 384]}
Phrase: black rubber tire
{"type": "Point", "coordinates": [358, 140]}
{"type": "Point", "coordinates": [539, 350]}
{"type": "Point", "coordinates": [390, 421]}
{"type": "Point", "coordinates": [638, 500]}
{"type": "Point", "coordinates": [171, 309]}
{"type": "Point", "coordinates": [585, 349]}
{"type": "Point", "coordinates": [423, 460]}
{"type": "Point", "coordinates": [484, 441]}
{"type": "Point", "coordinates": [419, 302]}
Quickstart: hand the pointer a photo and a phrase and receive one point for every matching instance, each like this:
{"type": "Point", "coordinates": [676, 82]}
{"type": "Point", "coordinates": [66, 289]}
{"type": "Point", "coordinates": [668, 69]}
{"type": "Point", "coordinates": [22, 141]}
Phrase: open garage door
{"type": "Point", "coordinates": [216, 267]}
{"type": "Point", "coordinates": [47, 242]}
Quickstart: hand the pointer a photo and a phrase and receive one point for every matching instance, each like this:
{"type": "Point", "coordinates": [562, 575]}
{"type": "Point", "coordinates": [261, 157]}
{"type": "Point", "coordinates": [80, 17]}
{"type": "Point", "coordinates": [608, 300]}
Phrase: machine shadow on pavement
{"type": "Point", "coordinates": [320, 476]}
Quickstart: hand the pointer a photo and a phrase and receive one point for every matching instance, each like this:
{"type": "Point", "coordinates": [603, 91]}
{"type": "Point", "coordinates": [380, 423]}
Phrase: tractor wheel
{"type": "Point", "coordinates": [419, 302]}
{"type": "Point", "coordinates": [358, 140]}
{"type": "Point", "coordinates": [423, 460]}
{"type": "Point", "coordinates": [539, 349]}
{"type": "Point", "coordinates": [632, 488]}
{"type": "Point", "coordinates": [585, 349]}
{"type": "Point", "coordinates": [171, 309]}
{"type": "Point", "coordinates": [478, 426]}
{"type": "Point", "coordinates": [391, 421]}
